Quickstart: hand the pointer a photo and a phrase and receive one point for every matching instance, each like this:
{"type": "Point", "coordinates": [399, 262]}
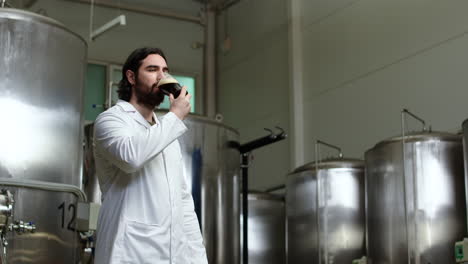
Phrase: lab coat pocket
{"type": "Point", "coordinates": [145, 243]}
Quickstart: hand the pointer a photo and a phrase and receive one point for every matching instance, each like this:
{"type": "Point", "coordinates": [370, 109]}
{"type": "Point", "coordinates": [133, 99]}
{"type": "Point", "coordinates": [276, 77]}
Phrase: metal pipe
{"type": "Point", "coordinates": [319, 200]}
{"type": "Point", "coordinates": [245, 207]}
{"type": "Point", "coordinates": [210, 92]}
{"type": "Point", "coordinates": [151, 12]}
{"type": "Point", "coordinates": [263, 141]}
{"type": "Point", "coordinates": [46, 186]}
{"type": "Point", "coordinates": [118, 21]}
{"type": "Point", "coordinates": [405, 111]}
{"type": "Point", "coordinates": [245, 150]}
{"type": "Point", "coordinates": [317, 191]}
{"type": "Point", "coordinates": [319, 142]}
{"type": "Point", "coordinates": [403, 132]}
{"type": "Point", "coordinates": [91, 19]}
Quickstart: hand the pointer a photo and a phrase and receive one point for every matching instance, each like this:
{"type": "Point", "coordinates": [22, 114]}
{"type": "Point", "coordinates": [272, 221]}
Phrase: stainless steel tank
{"type": "Point", "coordinates": [266, 228]}
{"type": "Point", "coordinates": [42, 71]}
{"type": "Point", "coordinates": [465, 158]}
{"type": "Point", "coordinates": [325, 212]}
{"type": "Point", "coordinates": [415, 199]}
{"type": "Point", "coordinates": [214, 166]}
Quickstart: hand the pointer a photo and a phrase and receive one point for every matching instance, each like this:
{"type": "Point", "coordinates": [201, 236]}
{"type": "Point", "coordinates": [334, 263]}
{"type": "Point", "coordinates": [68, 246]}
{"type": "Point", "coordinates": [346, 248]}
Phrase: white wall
{"type": "Point", "coordinates": [254, 82]}
{"type": "Point", "coordinates": [366, 60]}
{"type": "Point", "coordinates": [174, 37]}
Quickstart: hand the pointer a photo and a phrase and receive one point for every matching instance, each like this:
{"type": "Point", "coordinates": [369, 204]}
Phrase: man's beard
{"type": "Point", "coordinates": [150, 99]}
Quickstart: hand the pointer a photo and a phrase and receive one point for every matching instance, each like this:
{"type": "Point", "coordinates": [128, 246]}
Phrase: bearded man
{"type": "Point", "coordinates": [147, 213]}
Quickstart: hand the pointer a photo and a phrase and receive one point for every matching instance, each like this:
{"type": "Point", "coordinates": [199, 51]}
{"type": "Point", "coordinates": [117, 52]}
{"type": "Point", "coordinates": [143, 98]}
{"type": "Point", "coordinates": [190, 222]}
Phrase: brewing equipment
{"type": "Point", "coordinates": [266, 228]}
{"type": "Point", "coordinates": [213, 164]}
{"type": "Point", "coordinates": [41, 84]}
{"type": "Point", "coordinates": [461, 247]}
{"type": "Point", "coordinates": [465, 156]}
{"type": "Point", "coordinates": [325, 211]}
{"type": "Point", "coordinates": [415, 198]}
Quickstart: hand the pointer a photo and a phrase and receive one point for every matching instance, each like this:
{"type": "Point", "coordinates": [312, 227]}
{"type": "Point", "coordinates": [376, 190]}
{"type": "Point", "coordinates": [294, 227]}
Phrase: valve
{"type": "Point", "coordinates": [21, 227]}
{"type": "Point", "coordinates": [6, 213]}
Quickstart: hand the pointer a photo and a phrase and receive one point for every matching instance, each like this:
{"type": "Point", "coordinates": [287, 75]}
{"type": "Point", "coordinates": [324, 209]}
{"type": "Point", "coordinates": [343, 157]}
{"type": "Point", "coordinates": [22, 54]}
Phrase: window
{"type": "Point", "coordinates": [95, 94]}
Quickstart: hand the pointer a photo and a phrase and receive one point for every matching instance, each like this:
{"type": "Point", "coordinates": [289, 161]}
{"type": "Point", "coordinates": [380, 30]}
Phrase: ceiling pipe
{"type": "Point", "coordinates": [210, 93]}
{"type": "Point", "coordinates": [146, 11]}
{"type": "Point", "coordinates": [118, 21]}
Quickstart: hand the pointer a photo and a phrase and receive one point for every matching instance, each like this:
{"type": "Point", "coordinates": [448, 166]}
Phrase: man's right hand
{"type": "Point", "coordinates": [180, 106]}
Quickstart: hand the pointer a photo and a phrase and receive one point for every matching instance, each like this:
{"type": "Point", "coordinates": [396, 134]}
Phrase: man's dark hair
{"type": "Point", "coordinates": [133, 63]}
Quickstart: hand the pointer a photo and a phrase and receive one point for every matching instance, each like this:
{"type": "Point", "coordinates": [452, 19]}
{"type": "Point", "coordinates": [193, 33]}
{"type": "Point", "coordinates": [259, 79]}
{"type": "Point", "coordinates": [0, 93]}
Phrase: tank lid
{"type": "Point", "coordinates": [421, 136]}
{"type": "Point", "coordinates": [202, 119]}
{"type": "Point", "coordinates": [331, 164]}
{"type": "Point", "coordinates": [17, 14]}
{"type": "Point", "coordinates": [258, 195]}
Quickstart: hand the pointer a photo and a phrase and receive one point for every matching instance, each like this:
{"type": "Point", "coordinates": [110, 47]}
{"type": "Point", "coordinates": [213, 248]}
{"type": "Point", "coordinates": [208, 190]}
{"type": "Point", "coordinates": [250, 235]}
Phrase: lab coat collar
{"type": "Point", "coordinates": [129, 108]}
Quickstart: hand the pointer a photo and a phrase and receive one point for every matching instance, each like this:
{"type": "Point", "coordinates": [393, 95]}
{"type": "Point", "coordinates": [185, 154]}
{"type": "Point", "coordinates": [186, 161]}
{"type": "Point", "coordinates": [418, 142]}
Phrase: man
{"type": "Point", "coordinates": [147, 213]}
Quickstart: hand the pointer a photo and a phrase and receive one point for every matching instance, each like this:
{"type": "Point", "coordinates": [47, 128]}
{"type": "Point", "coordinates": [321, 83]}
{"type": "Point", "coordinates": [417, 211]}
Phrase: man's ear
{"type": "Point", "coordinates": [130, 77]}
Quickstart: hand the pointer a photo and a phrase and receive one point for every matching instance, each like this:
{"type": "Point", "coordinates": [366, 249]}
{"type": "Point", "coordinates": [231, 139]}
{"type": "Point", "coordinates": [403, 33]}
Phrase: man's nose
{"type": "Point", "coordinates": [159, 75]}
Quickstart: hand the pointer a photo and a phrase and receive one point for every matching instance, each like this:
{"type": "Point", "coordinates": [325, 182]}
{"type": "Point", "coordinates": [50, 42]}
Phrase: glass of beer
{"type": "Point", "coordinates": [169, 85]}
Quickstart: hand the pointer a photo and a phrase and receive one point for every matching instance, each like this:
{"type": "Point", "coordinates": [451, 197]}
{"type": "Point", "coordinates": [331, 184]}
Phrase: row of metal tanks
{"type": "Point", "coordinates": [405, 203]}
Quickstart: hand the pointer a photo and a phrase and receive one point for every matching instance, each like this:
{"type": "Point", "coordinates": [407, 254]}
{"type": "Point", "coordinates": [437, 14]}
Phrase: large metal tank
{"type": "Point", "coordinates": [266, 228]}
{"type": "Point", "coordinates": [213, 163]}
{"type": "Point", "coordinates": [325, 212]}
{"type": "Point", "coordinates": [415, 199]}
{"type": "Point", "coordinates": [42, 69]}
{"type": "Point", "coordinates": [465, 158]}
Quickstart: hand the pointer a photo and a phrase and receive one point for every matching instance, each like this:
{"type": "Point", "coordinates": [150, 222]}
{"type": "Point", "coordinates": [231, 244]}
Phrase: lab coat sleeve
{"type": "Point", "coordinates": [192, 229]}
{"type": "Point", "coordinates": [129, 148]}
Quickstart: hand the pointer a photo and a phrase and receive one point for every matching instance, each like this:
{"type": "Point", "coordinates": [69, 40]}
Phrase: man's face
{"type": "Point", "coordinates": [149, 74]}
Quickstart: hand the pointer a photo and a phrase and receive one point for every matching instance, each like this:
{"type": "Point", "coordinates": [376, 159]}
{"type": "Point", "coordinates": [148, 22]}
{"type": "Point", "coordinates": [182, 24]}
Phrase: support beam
{"type": "Point", "coordinates": [296, 83]}
{"type": "Point", "coordinates": [210, 92]}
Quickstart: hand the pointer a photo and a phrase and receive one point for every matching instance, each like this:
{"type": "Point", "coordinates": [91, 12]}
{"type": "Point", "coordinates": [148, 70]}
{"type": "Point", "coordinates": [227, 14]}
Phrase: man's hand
{"type": "Point", "coordinates": [180, 106]}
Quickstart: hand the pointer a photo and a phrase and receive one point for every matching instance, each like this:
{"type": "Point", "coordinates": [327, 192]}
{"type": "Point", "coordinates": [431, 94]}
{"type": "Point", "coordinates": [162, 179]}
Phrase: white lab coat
{"type": "Point", "coordinates": [147, 213]}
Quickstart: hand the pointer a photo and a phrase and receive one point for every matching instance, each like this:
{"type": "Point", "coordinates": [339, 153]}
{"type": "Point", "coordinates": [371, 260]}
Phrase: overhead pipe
{"type": "Point", "coordinates": [245, 150]}
{"type": "Point", "coordinates": [118, 21]}
{"type": "Point", "coordinates": [210, 93]}
{"type": "Point", "coordinates": [146, 11]}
